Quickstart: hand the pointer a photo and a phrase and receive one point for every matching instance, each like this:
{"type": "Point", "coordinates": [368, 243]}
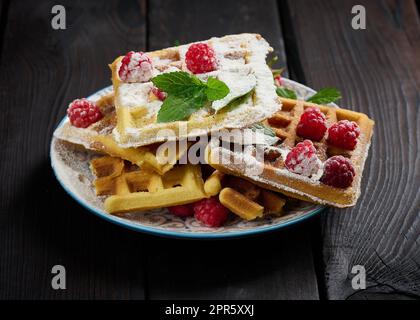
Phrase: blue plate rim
{"type": "Point", "coordinates": [170, 233]}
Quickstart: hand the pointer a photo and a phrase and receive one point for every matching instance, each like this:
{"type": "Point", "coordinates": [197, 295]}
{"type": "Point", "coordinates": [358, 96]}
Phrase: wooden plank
{"type": "Point", "coordinates": [40, 225]}
{"type": "Point", "coordinates": [378, 71]}
{"type": "Point", "coordinates": [4, 9]}
{"type": "Point", "coordinates": [275, 266]}
{"type": "Point", "coordinates": [188, 21]}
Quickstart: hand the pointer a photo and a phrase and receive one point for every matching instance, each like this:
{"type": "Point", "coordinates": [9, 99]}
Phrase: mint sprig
{"type": "Point", "coordinates": [270, 137]}
{"type": "Point", "coordinates": [177, 83]}
{"type": "Point", "coordinates": [186, 94]}
{"type": "Point", "coordinates": [325, 96]}
{"type": "Point", "coordinates": [266, 130]}
{"type": "Point", "coordinates": [216, 89]}
{"type": "Point", "coordinates": [286, 93]}
{"type": "Point", "coordinates": [176, 108]}
{"type": "Point", "coordinates": [237, 102]}
{"type": "Point", "coordinates": [272, 61]}
{"type": "Point", "coordinates": [277, 72]}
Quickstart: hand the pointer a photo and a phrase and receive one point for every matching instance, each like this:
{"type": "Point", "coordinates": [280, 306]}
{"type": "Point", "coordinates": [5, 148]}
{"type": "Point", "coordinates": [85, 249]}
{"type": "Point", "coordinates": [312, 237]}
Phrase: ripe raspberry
{"type": "Point", "coordinates": [200, 58]}
{"type": "Point", "coordinates": [338, 172]}
{"type": "Point", "coordinates": [210, 212]}
{"type": "Point", "coordinates": [82, 113]}
{"type": "Point", "coordinates": [303, 159]}
{"type": "Point", "coordinates": [159, 94]}
{"type": "Point", "coordinates": [186, 210]}
{"type": "Point", "coordinates": [312, 125]}
{"type": "Point", "coordinates": [344, 134]}
{"type": "Point", "coordinates": [136, 67]}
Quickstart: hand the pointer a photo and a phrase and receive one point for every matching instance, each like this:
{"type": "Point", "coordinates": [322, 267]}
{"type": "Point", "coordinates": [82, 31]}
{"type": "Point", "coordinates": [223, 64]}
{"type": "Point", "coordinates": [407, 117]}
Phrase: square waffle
{"type": "Point", "coordinates": [238, 56]}
{"type": "Point", "coordinates": [98, 137]}
{"type": "Point", "coordinates": [276, 177]}
{"type": "Point", "coordinates": [133, 189]}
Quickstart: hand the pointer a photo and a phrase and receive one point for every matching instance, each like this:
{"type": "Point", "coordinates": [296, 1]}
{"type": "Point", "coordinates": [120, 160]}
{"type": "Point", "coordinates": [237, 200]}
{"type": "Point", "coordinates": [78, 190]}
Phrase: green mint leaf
{"type": "Point", "coordinates": [266, 130]}
{"type": "Point", "coordinates": [325, 96]}
{"type": "Point", "coordinates": [270, 136]}
{"type": "Point", "coordinates": [176, 43]}
{"type": "Point", "coordinates": [177, 108]}
{"type": "Point", "coordinates": [216, 89]}
{"type": "Point", "coordinates": [177, 83]}
{"type": "Point", "coordinates": [272, 61]}
{"type": "Point", "coordinates": [277, 72]}
{"type": "Point", "coordinates": [286, 93]}
{"type": "Point", "coordinates": [186, 94]}
{"type": "Point", "coordinates": [236, 102]}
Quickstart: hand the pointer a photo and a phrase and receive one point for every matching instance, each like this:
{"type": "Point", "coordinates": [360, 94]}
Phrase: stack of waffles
{"type": "Point", "coordinates": [134, 170]}
{"type": "Point", "coordinates": [274, 175]}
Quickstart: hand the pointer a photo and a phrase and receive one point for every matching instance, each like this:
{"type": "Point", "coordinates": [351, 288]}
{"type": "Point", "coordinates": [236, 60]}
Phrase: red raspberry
{"type": "Point", "coordinates": [186, 210]}
{"type": "Point", "coordinates": [136, 67]}
{"type": "Point", "coordinates": [82, 113]}
{"type": "Point", "coordinates": [277, 81]}
{"type": "Point", "coordinates": [344, 134]}
{"type": "Point", "coordinates": [312, 124]}
{"type": "Point", "coordinates": [303, 159]}
{"type": "Point", "coordinates": [210, 212]}
{"type": "Point", "coordinates": [200, 58]}
{"type": "Point", "coordinates": [338, 172]}
{"type": "Point", "coordinates": [159, 94]}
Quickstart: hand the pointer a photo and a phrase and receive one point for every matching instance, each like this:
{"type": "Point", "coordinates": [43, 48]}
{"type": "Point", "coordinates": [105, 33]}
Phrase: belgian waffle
{"type": "Point", "coordinates": [133, 189]}
{"type": "Point", "coordinates": [276, 177]}
{"type": "Point", "coordinates": [243, 54]}
{"type": "Point", "coordinates": [98, 137]}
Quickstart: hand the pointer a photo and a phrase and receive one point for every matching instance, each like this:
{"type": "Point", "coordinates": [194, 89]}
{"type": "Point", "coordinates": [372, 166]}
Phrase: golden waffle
{"type": "Point", "coordinates": [134, 189]}
{"type": "Point", "coordinates": [239, 54]}
{"type": "Point", "coordinates": [98, 137]}
{"type": "Point", "coordinates": [240, 205]}
{"type": "Point", "coordinates": [213, 184]}
{"type": "Point", "coordinates": [242, 197]}
{"type": "Point", "coordinates": [276, 177]}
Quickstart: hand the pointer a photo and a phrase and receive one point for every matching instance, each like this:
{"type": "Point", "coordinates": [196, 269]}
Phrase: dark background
{"type": "Point", "coordinates": [41, 70]}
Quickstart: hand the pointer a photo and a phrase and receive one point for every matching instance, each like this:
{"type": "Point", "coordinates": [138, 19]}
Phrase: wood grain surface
{"type": "Point", "coordinates": [378, 71]}
{"type": "Point", "coordinates": [41, 71]}
{"type": "Point", "coordinates": [275, 266]}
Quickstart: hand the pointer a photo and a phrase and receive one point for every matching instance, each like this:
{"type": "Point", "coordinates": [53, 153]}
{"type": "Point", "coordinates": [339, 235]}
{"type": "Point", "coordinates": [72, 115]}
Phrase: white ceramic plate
{"type": "Point", "coordinates": [71, 167]}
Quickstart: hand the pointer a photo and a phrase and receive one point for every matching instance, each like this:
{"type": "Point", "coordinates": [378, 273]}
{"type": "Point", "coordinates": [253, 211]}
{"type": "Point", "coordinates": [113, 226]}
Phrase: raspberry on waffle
{"type": "Point", "coordinates": [238, 60]}
{"type": "Point", "coordinates": [337, 182]}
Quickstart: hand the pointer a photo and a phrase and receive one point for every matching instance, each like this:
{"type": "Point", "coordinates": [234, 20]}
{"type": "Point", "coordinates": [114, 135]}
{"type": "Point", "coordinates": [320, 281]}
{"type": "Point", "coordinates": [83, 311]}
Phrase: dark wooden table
{"type": "Point", "coordinates": [377, 69]}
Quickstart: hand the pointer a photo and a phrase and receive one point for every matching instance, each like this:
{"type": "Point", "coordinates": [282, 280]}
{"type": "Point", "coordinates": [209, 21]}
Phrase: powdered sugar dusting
{"type": "Point", "coordinates": [310, 171]}
{"type": "Point", "coordinates": [243, 54]}
{"type": "Point", "coordinates": [303, 159]}
{"type": "Point", "coordinates": [134, 95]}
{"type": "Point", "coordinates": [72, 170]}
{"type": "Point", "coordinates": [135, 67]}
